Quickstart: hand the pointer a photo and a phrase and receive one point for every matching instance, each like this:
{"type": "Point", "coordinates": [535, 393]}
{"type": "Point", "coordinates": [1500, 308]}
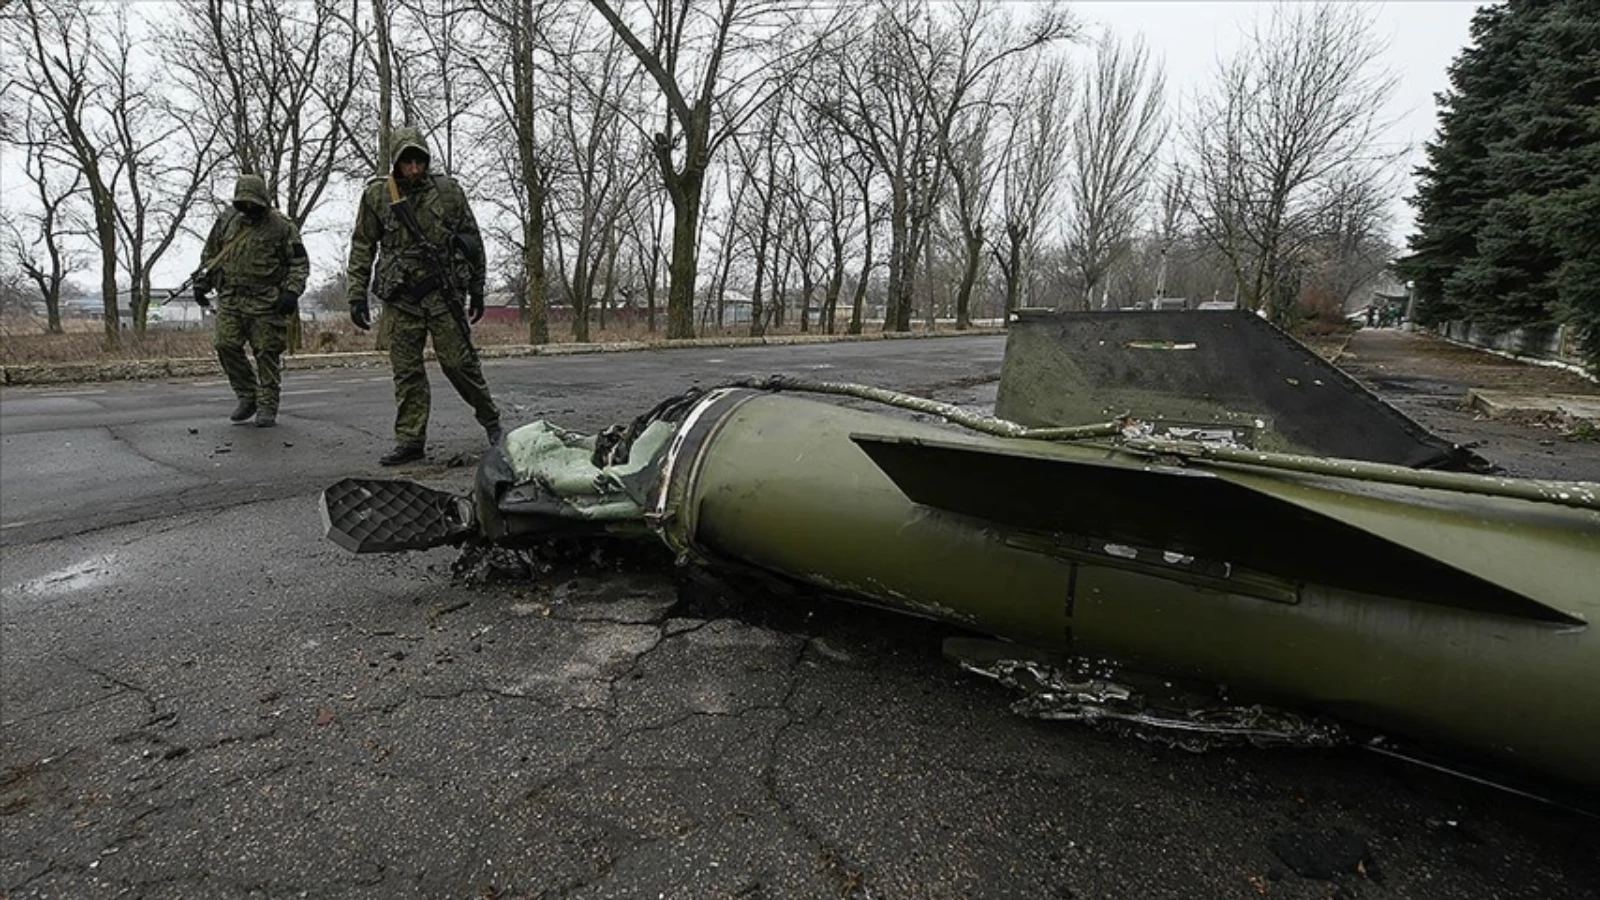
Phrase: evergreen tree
{"type": "Point", "coordinates": [1506, 205]}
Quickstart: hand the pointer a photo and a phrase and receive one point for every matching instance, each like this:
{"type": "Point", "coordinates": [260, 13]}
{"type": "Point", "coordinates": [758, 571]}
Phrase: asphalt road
{"type": "Point", "coordinates": [200, 697]}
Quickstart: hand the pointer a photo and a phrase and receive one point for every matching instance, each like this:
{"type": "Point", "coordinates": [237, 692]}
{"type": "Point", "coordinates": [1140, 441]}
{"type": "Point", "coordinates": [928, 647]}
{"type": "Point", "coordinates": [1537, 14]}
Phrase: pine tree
{"type": "Point", "coordinates": [1507, 230]}
{"type": "Point", "coordinates": [1450, 193]}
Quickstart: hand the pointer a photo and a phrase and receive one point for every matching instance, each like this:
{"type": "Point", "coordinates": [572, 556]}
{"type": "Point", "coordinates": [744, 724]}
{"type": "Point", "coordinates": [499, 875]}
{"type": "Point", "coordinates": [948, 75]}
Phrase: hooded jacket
{"type": "Point", "coordinates": [388, 262]}
{"type": "Point", "coordinates": [250, 263]}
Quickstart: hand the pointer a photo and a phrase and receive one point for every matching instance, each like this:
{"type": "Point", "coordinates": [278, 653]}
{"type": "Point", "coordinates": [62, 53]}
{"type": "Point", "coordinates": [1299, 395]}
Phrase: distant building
{"type": "Point", "coordinates": [736, 309]}
{"type": "Point", "coordinates": [178, 313]}
{"type": "Point", "coordinates": [501, 308]}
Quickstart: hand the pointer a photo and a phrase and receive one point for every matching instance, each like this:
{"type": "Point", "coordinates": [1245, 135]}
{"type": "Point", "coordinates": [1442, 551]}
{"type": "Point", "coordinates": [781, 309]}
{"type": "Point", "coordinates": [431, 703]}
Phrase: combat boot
{"type": "Point", "coordinates": [401, 454]}
{"type": "Point", "coordinates": [266, 418]}
{"type": "Point", "coordinates": [496, 434]}
{"type": "Point", "coordinates": [242, 412]}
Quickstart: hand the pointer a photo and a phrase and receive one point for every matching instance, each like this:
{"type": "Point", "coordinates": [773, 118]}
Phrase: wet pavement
{"type": "Point", "coordinates": [201, 697]}
{"type": "Point", "coordinates": [1500, 407]}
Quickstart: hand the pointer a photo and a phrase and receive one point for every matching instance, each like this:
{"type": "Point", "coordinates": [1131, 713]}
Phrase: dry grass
{"type": "Point", "coordinates": [23, 342]}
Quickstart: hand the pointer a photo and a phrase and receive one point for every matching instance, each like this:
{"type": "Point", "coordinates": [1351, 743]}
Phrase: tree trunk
{"type": "Point", "coordinates": [680, 292]}
{"type": "Point", "coordinates": [609, 293]}
{"type": "Point", "coordinates": [969, 277]}
{"type": "Point", "coordinates": [830, 297]}
{"type": "Point", "coordinates": [894, 318]}
{"type": "Point", "coordinates": [758, 319]}
{"type": "Point", "coordinates": [107, 231]}
{"type": "Point", "coordinates": [380, 15]}
{"type": "Point", "coordinates": [858, 300]}
{"type": "Point", "coordinates": [1013, 271]}
{"type": "Point", "coordinates": [535, 287]}
{"type": "Point", "coordinates": [139, 299]}
{"type": "Point", "coordinates": [725, 270]}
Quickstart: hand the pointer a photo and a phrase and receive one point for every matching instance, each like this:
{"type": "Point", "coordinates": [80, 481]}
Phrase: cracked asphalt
{"type": "Point", "coordinates": [201, 697]}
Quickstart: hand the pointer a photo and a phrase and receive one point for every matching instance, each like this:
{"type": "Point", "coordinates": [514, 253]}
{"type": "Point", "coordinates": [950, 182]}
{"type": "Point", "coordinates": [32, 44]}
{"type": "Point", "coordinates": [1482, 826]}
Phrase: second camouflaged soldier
{"type": "Point", "coordinates": [255, 262]}
{"type": "Point", "coordinates": [418, 228]}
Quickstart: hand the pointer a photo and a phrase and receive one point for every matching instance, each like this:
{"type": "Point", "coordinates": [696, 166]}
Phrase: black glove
{"type": "Point", "coordinates": [288, 303]}
{"type": "Point", "coordinates": [475, 306]}
{"type": "Point", "coordinates": [361, 314]}
{"type": "Point", "coordinates": [201, 289]}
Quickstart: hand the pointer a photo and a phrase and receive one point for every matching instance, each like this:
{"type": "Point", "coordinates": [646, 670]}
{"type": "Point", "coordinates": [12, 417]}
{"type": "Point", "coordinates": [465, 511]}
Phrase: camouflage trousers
{"type": "Point", "coordinates": [267, 336]}
{"type": "Point", "coordinates": [408, 333]}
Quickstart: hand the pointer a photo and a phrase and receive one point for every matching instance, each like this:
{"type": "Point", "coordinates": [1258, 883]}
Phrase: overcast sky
{"type": "Point", "coordinates": [1423, 37]}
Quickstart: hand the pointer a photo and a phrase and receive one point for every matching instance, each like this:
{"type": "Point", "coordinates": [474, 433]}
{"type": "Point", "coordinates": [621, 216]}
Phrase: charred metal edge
{"type": "Point", "coordinates": [673, 518]}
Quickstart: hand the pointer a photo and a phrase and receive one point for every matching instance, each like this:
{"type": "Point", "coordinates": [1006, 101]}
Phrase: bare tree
{"type": "Point", "coordinates": [161, 163]}
{"type": "Point", "coordinates": [42, 242]}
{"type": "Point", "coordinates": [900, 106]}
{"type": "Point", "coordinates": [275, 80]}
{"type": "Point", "coordinates": [1174, 199]}
{"type": "Point", "coordinates": [57, 42]}
{"type": "Point", "coordinates": [599, 165]}
{"type": "Point", "coordinates": [383, 67]}
{"type": "Point", "coordinates": [716, 63]}
{"type": "Point", "coordinates": [437, 48]}
{"type": "Point", "coordinates": [729, 251]}
{"type": "Point", "coordinates": [874, 211]}
{"type": "Point", "coordinates": [509, 78]}
{"type": "Point", "coordinates": [1115, 136]}
{"type": "Point", "coordinates": [1349, 246]}
{"type": "Point", "coordinates": [15, 300]}
{"type": "Point", "coordinates": [763, 220]}
{"type": "Point", "coordinates": [1300, 103]}
{"type": "Point", "coordinates": [1034, 160]}
{"type": "Point", "coordinates": [971, 161]}
{"type": "Point", "coordinates": [805, 227]}
{"type": "Point", "coordinates": [842, 209]}
{"type": "Point", "coordinates": [645, 222]}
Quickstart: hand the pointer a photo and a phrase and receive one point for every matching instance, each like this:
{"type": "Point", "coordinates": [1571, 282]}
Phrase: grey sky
{"type": "Point", "coordinates": [1423, 37]}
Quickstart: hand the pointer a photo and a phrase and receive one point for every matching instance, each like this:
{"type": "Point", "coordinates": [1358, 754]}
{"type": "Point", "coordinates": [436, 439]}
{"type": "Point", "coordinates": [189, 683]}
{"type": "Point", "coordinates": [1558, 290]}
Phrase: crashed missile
{"type": "Point", "coordinates": [1448, 609]}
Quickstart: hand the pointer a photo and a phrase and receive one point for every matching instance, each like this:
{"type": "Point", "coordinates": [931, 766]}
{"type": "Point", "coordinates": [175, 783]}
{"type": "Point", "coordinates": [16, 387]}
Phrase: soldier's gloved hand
{"type": "Point", "coordinates": [475, 306]}
{"type": "Point", "coordinates": [288, 303]}
{"type": "Point", "coordinates": [200, 291]}
{"type": "Point", "coordinates": [360, 314]}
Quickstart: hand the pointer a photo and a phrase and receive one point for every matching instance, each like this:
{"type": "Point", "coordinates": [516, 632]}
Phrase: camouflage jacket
{"type": "Point", "coordinates": [257, 262]}
{"type": "Point", "coordinates": [407, 273]}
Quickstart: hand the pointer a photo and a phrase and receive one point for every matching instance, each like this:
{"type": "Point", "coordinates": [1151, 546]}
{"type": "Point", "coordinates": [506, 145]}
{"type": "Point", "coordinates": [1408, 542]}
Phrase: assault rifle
{"type": "Point", "coordinates": [441, 274]}
{"type": "Point", "coordinates": [200, 274]}
{"type": "Point", "coordinates": [206, 268]}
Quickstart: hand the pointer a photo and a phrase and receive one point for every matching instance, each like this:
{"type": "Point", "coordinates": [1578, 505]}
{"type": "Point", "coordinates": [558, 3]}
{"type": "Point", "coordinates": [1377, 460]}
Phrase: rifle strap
{"type": "Point", "coordinates": [401, 206]}
{"type": "Point", "coordinates": [220, 255]}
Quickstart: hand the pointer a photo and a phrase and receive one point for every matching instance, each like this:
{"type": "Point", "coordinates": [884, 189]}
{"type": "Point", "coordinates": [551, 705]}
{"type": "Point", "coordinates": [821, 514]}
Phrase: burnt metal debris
{"type": "Point", "coordinates": [1196, 564]}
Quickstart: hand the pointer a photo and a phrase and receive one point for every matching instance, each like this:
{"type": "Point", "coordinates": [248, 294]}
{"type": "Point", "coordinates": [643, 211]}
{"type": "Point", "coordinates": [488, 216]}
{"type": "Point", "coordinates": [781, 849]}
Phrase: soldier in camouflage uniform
{"type": "Point", "coordinates": [420, 279]}
{"type": "Point", "coordinates": [254, 261]}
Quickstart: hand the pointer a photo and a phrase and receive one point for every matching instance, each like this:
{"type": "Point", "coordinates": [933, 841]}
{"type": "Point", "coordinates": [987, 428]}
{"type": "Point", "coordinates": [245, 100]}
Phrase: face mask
{"type": "Point", "coordinates": [251, 212]}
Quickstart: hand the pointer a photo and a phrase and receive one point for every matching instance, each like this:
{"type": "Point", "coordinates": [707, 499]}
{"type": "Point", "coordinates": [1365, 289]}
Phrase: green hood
{"type": "Point", "coordinates": [253, 189]}
{"type": "Point", "coordinates": [403, 139]}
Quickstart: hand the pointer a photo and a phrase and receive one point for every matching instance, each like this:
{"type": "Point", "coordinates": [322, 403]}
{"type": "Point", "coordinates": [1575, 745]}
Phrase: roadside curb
{"type": "Point", "coordinates": [1506, 404]}
{"type": "Point", "coordinates": [1525, 359]}
{"type": "Point", "coordinates": [147, 369]}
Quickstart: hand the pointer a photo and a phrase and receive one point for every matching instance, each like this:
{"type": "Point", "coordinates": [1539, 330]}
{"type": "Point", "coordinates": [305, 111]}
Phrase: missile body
{"type": "Point", "coordinates": [1452, 616]}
